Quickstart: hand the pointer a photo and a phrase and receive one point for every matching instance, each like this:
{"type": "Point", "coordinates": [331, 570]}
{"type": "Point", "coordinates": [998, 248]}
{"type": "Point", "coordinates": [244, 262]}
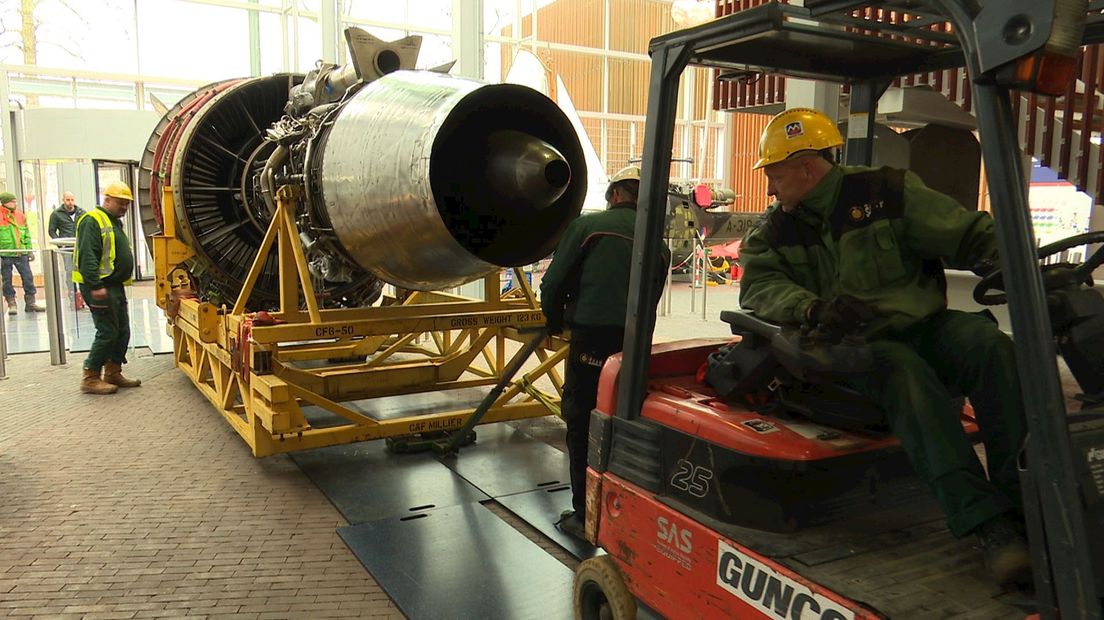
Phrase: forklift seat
{"type": "Point", "coordinates": [804, 375]}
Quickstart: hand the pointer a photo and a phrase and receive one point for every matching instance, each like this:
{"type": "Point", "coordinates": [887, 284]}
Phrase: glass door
{"type": "Point", "coordinates": [108, 171]}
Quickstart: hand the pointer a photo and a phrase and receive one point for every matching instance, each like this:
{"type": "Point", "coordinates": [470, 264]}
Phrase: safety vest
{"type": "Point", "coordinates": [107, 255]}
{"type": "Point", "coordinates": [14, 223]}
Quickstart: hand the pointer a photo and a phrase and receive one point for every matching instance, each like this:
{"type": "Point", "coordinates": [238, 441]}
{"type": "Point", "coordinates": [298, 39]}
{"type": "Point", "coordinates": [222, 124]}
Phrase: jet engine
{"type": "Point", "coordinates": [415, 178]}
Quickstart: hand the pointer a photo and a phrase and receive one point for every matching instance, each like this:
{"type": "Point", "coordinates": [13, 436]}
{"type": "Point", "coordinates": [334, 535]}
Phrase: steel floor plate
{"type": "Point", "coordinates": [391, 407]}
{"type": "Point", "coordinates": [366, 482]}
{"type": "Point", "coordinates": [504, 461]}
{"type": "Point", "coordinates": [401, 406]}
{"type": "Point", "coordinates": [461, 562]}
{"type": "Point", "coordinates": [541, 509]}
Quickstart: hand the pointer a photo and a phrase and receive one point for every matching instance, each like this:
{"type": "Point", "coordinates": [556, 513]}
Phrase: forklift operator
{"type": "Point", "coordinates": [586, 287]}
{"type": "Point", "coordinates": [859, 250]}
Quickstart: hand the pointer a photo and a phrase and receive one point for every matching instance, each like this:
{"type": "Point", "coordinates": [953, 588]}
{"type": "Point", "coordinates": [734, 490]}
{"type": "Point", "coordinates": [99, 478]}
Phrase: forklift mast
{"type": "Point", "coordinates": [1012, 44]}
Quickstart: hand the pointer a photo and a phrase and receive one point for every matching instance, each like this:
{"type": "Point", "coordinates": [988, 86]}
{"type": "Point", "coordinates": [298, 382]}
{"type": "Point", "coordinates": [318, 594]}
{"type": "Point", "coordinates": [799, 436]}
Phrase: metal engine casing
{"type": "Point", "coordinates": [405, 154]}
{"type": "Point", "coordinates": [414, 178]}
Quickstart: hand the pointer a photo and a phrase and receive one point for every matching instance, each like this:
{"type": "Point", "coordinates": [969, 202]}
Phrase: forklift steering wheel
{"type": "Point", "coordinates": [1082, 273]}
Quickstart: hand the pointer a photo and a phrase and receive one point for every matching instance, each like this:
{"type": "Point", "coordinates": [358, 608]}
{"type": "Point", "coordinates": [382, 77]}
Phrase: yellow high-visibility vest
{"type": "Point", "coordinates": [107, 255]}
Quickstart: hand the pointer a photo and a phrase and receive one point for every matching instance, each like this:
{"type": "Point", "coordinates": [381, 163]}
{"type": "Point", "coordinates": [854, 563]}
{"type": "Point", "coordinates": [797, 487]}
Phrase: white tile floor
{"type": "Point", "coordinates": [27, 333]}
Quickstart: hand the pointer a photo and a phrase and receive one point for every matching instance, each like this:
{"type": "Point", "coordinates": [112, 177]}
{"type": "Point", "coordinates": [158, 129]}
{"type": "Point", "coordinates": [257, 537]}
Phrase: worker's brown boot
{"type": "Point", "coordinates": [1006, 555]}
{"type": "Point", "coordinates": [31, 306]}
{"type": "Point", "coordinates": [13, 307]}
{"type": "Point", "coordinates": [92, 384]}
{"type": "Point", "coordinates": [113, 374]}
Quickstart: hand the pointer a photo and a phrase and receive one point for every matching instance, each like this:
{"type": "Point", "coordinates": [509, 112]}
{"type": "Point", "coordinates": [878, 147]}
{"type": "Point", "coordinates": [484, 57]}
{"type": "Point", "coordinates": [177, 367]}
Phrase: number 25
{"type": "Point", "coordinates": [692, 478]}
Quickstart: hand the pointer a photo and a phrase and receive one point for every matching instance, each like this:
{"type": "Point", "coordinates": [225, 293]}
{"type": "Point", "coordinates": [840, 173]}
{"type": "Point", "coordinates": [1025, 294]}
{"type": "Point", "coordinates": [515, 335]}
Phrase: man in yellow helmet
{"type": "Point", "coordinates": [859, 250]}
{"type": "Point", "coordinates": [104, 264]}
{"type": "Point", "coordinates": [586, 288]}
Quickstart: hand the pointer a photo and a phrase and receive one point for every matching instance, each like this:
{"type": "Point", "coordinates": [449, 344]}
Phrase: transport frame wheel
{"type": "Point", "coordinates": [601, 593]}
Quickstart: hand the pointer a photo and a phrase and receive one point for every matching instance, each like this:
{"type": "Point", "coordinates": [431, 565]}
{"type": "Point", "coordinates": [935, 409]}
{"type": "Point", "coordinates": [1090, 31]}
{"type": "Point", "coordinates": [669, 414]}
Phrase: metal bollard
{"type": "Point", "coordinates": [707, 273]}
{"type": "Point", "coordinates": [3, 343]}
{"type": "Point", "coordinates": [53, 308]}
{"type": "Point", "coordinates": [693, 277]}
{"type": "Point", "coordinates": [665, 301]}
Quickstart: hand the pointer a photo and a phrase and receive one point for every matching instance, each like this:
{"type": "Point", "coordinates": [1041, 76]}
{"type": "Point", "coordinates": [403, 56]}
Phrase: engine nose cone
{"type": "Point", "coordinates": [524, 169]}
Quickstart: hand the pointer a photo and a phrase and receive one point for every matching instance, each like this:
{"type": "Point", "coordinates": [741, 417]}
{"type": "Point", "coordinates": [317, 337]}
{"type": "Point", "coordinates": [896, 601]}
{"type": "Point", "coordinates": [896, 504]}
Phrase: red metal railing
{"type": "Point", "coordinates": [1058, 132]}
{"type": "Point", "coordinates": [753, 93]}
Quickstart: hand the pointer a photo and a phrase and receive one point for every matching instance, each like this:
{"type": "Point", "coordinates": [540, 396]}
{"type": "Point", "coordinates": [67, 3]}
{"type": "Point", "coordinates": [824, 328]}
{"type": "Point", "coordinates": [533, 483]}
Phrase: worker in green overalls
{"type": "Point", "coordinates": [586, 288]}
{"type": "Point", "coordinates": [862, 250]}
{"type": "Point", "coordinates": [104, 264]}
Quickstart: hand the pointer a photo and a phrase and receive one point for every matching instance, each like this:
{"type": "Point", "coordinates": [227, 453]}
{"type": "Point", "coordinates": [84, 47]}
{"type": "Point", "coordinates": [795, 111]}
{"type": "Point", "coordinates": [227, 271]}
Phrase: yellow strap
{"type": "Point", "coordinates": [549, 401]}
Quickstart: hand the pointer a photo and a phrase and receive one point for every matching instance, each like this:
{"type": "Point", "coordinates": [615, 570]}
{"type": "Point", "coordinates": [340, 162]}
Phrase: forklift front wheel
{"type": "Point", "coordinates": [600, 592]}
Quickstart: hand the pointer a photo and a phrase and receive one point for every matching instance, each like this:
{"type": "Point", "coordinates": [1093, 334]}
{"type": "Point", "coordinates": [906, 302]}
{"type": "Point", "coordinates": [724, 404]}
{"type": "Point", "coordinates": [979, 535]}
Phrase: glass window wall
{"type": "Point", "coordinates": [193, 41]}
{"type": "Point", "coordinates": [597, 47]}
{"type": "Point", "coordinates": [599, 50]}
{"type": "Point", "coordinates": [124, 54]}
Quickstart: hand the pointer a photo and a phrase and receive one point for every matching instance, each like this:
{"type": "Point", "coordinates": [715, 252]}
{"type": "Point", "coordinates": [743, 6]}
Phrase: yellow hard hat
{"type": "Point", "coordinates": [796, 130]}
{"type": "Point", "coordinates": [118, 189]}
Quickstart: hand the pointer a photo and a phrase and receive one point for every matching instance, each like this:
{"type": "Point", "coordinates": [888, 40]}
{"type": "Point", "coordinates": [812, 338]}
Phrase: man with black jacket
{"type": "Point", "coordinates": [63, 221]}
{"type": "Point", "coordinates": [63, 224]}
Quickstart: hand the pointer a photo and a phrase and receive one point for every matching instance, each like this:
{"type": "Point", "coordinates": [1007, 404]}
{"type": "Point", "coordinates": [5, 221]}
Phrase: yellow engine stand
{"type": "Point", "coordinates": [259, 374]}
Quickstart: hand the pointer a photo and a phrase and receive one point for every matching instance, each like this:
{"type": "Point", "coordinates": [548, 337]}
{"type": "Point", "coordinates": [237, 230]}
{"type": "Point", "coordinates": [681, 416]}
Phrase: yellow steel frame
{"type": "Point", "coordinates": [427, 341]}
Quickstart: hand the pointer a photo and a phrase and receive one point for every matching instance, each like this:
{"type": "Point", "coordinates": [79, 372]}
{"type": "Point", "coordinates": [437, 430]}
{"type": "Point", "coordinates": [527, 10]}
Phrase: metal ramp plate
{"type": "Point", "coordinates": [391, 407]}
{"type": "Point", "coordinates": [541, 509]}
{"type": "Point", "coordinates": [401, 406]}
{"type": "Point", "coordinates": [504, 461]}
{"type": "Point", "coordinates": [365, 482]}
{"type": "Point", "coordinates": [461, 562]}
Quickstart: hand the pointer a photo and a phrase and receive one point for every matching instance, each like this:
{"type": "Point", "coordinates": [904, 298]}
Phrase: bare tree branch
{"type": "Point", "coordinates": [71, 7]}
{"type": "Point", "coordinates": [73, 53]}
{"type": "Point", "coordinates": [35, 31]}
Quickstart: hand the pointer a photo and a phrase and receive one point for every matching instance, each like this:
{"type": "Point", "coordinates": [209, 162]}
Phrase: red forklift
{"type": "Point", "coordinates": [769, 491]}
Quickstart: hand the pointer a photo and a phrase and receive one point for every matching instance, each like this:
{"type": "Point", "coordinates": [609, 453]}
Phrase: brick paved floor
{"type": "Point", "coordinates": [145, 504]}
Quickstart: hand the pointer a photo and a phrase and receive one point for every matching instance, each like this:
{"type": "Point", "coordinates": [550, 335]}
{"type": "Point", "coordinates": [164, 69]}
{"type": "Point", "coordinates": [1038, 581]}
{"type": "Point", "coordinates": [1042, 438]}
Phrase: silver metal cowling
{"type": "Point", "coordinates": [412, 179]}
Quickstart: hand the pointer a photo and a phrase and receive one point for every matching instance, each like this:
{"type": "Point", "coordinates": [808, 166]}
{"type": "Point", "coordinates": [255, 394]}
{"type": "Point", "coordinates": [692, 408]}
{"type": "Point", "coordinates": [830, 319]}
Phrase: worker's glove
{"type": "Point", "coordinates": [843, 313]}
{"type": "Point", "coordinates": [985, 267]}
